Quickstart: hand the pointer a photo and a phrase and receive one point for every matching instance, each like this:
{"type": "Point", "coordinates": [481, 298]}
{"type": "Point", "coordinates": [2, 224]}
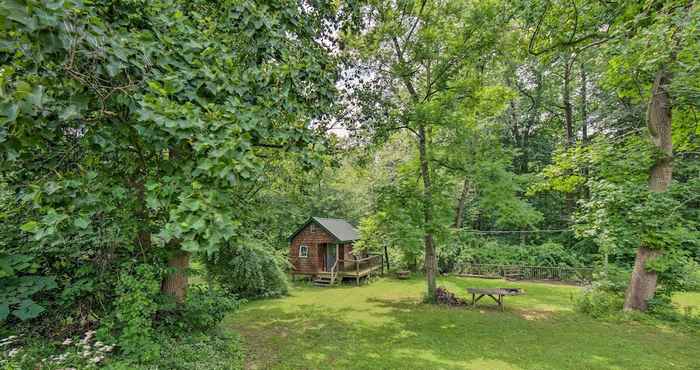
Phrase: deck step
{"type": "Point", "coordinates": [323, 280]}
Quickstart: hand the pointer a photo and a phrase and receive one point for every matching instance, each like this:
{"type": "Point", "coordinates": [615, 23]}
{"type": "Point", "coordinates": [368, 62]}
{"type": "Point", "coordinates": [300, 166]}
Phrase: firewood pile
{"type": "Point", "coordinates": [444, 296]}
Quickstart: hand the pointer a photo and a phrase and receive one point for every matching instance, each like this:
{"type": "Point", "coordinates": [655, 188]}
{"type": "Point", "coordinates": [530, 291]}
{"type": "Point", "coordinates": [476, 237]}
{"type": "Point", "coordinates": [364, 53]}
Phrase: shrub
{"type": "Point", "coordinates": [694, 281]}
{"type": "Point", "coordinates": [204, 309]}
{"type": "Point", "coordinates": [598, 303]}
{"type": "Point", "coordinates": [614, 279]}
{"type": "Point", "coordinates": [18, 286]}
{"type": "Point", "coordinates": [248, 271]}
{"type": "Point", "coordinates": [607, 294]}
{"type": "Point", "coordinates": [489, 251]}
{"type": "Point", "coordinates": [134, 309]}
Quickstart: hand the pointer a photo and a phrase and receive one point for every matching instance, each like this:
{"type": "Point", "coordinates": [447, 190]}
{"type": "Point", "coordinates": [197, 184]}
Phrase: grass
{"type": "Point", "coordinates": [384, 326]}
{"type": "Point", "coordinates": [688, 301]}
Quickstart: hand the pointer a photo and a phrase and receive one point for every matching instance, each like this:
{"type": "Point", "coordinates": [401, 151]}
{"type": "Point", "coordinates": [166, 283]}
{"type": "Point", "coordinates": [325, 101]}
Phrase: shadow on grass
{"type": "Point", "coordinates": [403, 333]}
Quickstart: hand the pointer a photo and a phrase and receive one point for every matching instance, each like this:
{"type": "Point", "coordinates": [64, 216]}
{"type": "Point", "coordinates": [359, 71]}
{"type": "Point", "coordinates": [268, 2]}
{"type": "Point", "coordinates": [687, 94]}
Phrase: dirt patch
{"type": "Point", "coordinates": [531, 315]}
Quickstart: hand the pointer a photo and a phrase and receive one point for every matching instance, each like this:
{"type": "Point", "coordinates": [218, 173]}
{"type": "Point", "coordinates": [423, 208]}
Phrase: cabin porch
{"type": "Point", "coordinates": [335, 270]}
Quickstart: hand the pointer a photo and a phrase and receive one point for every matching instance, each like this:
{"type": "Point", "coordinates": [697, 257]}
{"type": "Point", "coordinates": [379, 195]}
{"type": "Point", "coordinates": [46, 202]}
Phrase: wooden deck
{"type": "Point", "coordinates": [355, 273]}
{"type": "Point", "coordinates": [353, 269]}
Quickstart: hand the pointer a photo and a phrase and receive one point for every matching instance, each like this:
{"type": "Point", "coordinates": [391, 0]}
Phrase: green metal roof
{"type": "Point", "coordinates": [342, 230]}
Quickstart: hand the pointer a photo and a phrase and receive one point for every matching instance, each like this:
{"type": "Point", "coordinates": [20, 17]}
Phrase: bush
{"type": "Point", "coordinates": [614, 279]}
{"type": "Point", "coordinates": [607, 294]}
{"type": "Point", "coordinates": [489, 251]}
{"type": "Point", "coordinates": [204, 309]}
{"type": "Point", "coordinates": [134, 309]}
{"type": "Point", "coordinates": [249, 271]}
{"type": "Point", "coordinates": [694, 281]}
{"type": "Point", "coordinates": [599, 303]}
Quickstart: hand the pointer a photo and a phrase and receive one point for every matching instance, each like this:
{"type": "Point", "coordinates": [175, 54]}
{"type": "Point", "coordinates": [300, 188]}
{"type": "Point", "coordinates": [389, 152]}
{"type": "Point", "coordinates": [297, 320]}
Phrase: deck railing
{"type": "Point", "coordinates": [554, 273]}
{"type": "Point", "coordinates": [358, 265]}
{"type": "Point", "coordinates": [373, 261]}
{"type": "Point", "coordinates": [334, 272]}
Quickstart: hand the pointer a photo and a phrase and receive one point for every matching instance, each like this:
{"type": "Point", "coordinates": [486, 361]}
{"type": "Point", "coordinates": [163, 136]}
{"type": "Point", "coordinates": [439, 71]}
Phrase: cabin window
{"type": "Point", "coordinates": [312, 227]}
{"type": "Point", "coordinates": [303, 251]}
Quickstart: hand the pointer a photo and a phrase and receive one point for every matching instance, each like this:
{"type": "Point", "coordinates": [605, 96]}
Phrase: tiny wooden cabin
{"type": "Point", "coordinates": [322, 248]}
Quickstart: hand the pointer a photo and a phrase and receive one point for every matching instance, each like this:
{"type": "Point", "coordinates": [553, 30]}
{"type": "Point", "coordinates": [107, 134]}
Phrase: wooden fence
{"type": "Point", "coordinates": [565, 274]}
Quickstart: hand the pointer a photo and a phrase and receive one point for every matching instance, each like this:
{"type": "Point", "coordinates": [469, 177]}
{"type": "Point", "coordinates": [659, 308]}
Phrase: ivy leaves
{"type": "Point", "coordinates": [17, 288]}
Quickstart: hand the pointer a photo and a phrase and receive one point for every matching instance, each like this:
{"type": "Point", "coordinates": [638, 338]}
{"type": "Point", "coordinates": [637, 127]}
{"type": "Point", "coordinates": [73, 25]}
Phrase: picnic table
{"type": "Point", "coordinates": [496, 294]}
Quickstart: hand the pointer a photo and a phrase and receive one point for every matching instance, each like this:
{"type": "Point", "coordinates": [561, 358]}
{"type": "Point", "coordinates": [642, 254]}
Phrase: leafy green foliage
{"type": "Point", "coordinates": [599, 303]}
{"type": "Point", "coordinates": [248, 270]}
{"type": "Point", "coordinates": [204, 309]}
{"type": "Point", "coordinates": [132, 321]}
{"type": "Point", "coordinates": [132, 128]}
{"type": "Point", "coordinates": [17, 287]}
{"type": "Point", "coordinates": [489, 251]}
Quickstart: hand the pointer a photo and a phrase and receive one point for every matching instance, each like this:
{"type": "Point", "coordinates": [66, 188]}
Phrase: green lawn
{"type": "Point", "coordinates": [384, 326]}
{"type": "Point", "coordinates": [688, 300]}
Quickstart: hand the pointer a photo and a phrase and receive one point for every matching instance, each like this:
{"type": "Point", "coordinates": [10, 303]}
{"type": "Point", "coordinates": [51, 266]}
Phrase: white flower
{"type": "Point", "coordinates": [67, 342]}
{"type": "Point", "coordinates": [108, 348]}
{"type": "Point", "coordinates": [99, 344]}
{"type": "Point", "coordinates": [97, 359]}
{"type": "Point", "coordinates": [13, 352]}
{"type": "Point", "coordinates": [8, 340]}
{"type": "Point", "coordinates": [86, 354]}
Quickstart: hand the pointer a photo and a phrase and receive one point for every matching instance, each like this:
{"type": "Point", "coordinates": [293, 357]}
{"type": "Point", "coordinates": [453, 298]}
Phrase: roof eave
{"type": "Point", "coordinates": [310, 220]}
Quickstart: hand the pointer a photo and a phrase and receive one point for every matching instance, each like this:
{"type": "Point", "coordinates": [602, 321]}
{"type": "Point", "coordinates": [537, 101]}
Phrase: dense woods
{"type": "Point", "coordinates": [151, 146]}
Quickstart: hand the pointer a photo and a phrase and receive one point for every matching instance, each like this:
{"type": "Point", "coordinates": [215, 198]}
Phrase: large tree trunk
{"type": "Point", "coordinates": [568, 107]}
{"type": "Point", "coordinates": [175, 283]}
{"type": "Point", "coordinates": [569, 126]}
{"type": "Point", "coordinates": [459, 211]}
{"type": "Point", "coordinates": [430, 257]}
{"type": "Point", "coordinates": [584, 104]}
{"type": "Point", "coordinates": [643, 282]}
{"type": "Point", "coordinates": [584, 123]}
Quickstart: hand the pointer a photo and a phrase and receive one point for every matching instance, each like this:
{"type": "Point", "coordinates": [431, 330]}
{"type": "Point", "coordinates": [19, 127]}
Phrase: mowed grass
{"type": "Point", "coordinates": [384, 325]}
{"type": "Point", "coordinates": [688, 301]}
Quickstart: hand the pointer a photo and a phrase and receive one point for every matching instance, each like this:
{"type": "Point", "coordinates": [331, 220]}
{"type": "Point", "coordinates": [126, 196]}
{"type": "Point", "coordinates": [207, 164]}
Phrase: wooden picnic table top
{"type": "Point", "coordinates": [497, 294]}
{"type": "Point", "coordinates": [496, 291]}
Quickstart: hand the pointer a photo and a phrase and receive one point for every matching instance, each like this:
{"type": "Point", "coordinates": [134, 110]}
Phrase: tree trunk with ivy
{"type": "Point", "coordinates": [175, 282]}
{"type": "Point", "coordinates": [643, 281]}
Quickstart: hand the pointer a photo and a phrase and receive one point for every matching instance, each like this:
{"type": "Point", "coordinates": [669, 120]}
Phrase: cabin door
{"type": "Point", "coordinates": [330, 256]}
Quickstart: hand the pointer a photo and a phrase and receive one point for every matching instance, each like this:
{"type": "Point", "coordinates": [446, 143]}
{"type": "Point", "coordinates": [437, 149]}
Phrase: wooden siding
{"type": "Point", "coordinates": [313, 237]}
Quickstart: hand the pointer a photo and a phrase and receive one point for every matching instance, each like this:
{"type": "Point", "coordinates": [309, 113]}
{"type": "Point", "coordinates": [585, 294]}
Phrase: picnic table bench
{"type": "Point", "coordinates": [496, 294]}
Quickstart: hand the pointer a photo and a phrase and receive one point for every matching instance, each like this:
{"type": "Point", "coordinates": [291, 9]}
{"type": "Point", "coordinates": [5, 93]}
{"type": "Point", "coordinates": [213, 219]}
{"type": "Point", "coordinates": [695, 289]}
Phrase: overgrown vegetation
{"type": "Point", "coordinates": [136, 135]}
{"type": "Point", "coordinates": [249, 271]}
{"type": "Point", "coordinates": [156, 155]}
